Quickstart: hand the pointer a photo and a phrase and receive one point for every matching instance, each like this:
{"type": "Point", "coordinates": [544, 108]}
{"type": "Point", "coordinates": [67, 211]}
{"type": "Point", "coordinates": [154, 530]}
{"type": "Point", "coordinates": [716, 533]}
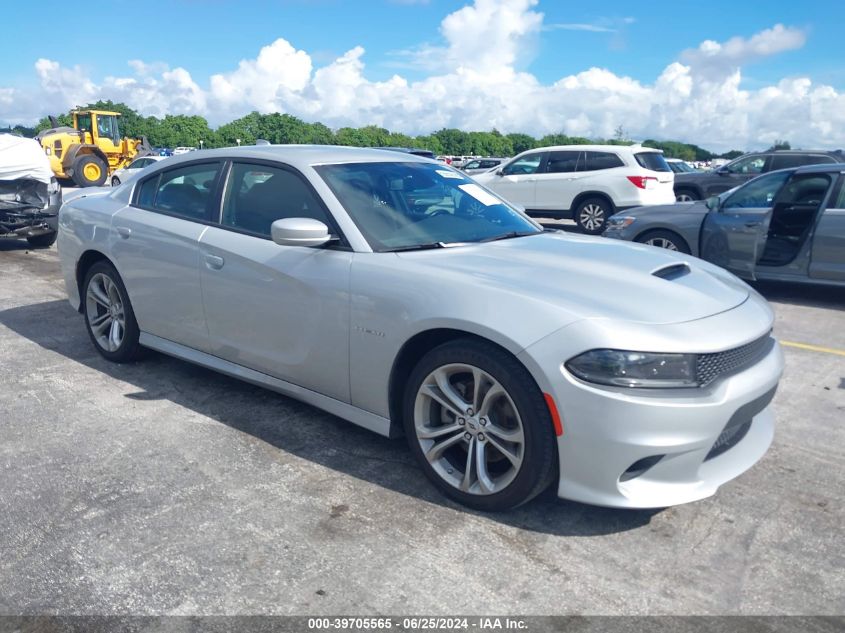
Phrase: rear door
{"type": "Point", "coordinates": [156, 250]}
{"type": "Point", "coordinates": [734, 234]}
{"type": "Point", "coordinates": [557, 184]}
{"type": "Point", "coordinates": [827, 260]}
{"type": "Point", "coordinates": [518, 180]}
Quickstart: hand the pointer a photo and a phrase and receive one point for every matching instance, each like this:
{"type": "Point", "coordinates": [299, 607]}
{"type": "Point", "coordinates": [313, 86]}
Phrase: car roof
{"type": "Point", "coordinates": [826, 168]}
{"type": "Point", "coordinates": [601, 148]}
{"type": "Point", "coordinates": [300, 156]}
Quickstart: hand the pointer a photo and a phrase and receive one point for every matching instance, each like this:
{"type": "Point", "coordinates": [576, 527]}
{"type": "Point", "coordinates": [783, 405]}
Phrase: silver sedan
{"type": "Point", "coordinates": [402, 296]}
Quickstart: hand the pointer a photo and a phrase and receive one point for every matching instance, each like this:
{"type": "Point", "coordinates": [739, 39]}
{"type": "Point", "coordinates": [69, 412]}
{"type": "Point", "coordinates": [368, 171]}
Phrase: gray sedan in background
{"type": "Point", "coordinates": [787, 225]}
{"type": "Point", "coordinates": [397, 293]}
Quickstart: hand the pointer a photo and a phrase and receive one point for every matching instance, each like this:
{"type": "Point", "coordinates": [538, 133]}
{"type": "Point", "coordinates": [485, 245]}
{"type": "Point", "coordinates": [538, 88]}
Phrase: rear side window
{"type": "Point", "coordinates": [185, 191]}
{"type": "Point", "coordinates": [652, 160]}
{"type": "Point", "coordinates": [563, 162]}
{"type": "Point", "coordinates": [782, 161]}
{"type": "Point", "coordinates": [602, 160]}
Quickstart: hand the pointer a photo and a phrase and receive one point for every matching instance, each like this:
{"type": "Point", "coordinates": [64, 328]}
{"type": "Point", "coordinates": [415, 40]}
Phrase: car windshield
{"type": "Point", "coordinates": [402, 206]}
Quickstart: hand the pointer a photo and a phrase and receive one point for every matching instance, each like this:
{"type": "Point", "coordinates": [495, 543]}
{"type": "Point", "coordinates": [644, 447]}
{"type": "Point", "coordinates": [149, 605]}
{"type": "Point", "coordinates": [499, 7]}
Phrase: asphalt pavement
{"type": "Point", "coordinates": [163, 488]}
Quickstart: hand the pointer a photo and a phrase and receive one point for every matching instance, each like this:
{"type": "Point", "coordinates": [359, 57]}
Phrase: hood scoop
{"type": "Point", "coordinates": [673, 271]}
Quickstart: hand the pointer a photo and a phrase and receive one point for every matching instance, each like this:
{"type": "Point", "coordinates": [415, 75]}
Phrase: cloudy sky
{"type": "Point", "coordinates": [715, 73]}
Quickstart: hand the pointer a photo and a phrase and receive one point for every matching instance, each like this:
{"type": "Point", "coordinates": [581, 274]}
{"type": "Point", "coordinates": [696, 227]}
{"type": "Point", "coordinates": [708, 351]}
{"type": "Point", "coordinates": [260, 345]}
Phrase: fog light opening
{"type": "Point", "coordinates": [640, 466]}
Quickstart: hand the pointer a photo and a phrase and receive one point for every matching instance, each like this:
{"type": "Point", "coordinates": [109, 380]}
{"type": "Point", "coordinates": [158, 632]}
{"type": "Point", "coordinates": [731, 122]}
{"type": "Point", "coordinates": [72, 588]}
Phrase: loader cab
{"type": "Point", "coordinates": [100, 128]}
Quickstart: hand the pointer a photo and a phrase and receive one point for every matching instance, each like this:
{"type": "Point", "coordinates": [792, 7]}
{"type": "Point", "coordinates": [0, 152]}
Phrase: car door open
{"type": "Point", "coordinates": [734, 231]}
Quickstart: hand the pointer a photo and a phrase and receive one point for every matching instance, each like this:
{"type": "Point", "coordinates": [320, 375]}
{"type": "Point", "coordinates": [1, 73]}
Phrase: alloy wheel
{"type": "Point", "coordinates": [662, 242]}
{"type": "Point", "coordinates": [592, 216]}
{"type": "Point", "coordinates": [684, 197]}
{"type": "Point", "coordinates": [469, 429]}
{"type": "Point", "coordinates": [105, 312]}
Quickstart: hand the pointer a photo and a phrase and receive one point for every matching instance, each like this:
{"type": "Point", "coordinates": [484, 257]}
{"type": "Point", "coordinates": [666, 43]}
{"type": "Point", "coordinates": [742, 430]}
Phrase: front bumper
{"type": "Point", "coordinates": [705, 436]}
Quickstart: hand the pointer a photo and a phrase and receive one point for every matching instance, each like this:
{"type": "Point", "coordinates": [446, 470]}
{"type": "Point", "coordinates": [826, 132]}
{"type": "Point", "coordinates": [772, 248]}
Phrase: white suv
{"type": "Point", "coordinates": [587, 183]}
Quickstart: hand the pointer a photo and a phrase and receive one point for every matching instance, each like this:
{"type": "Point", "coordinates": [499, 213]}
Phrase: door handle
{"type": "Point", "coordinates": [751, 225]}
{"type": "Point", "coordinates": [123, 231]}
{"type": "Point", "coordinates": [214, 262]}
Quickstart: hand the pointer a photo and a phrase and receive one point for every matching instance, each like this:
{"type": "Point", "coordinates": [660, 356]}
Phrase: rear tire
{"type": "Point", "coordinates": [108, 313]}
{"type": "Point", "coordinates": [686, 195]}
{"type": "Point", "coordinates": [592, 214]}
{"type": "Point", "coordinates": [664, 239]}
{"type": "Point", "coordinates": [89, 171]}
{"type": "Point", "coordinates": [489, 406]}
{"type": "Point", "coordinates": [46, 240]}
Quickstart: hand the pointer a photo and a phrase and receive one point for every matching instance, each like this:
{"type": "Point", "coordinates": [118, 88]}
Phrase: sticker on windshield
{"type": "Point", "coordinates": [449, 174]}
{"type": "Point", "coordinates": [479, 194]}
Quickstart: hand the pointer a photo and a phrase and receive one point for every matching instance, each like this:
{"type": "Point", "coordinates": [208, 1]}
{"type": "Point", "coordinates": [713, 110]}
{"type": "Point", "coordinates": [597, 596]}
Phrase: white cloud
{"type": "Point", "coordinates": [476, 80]}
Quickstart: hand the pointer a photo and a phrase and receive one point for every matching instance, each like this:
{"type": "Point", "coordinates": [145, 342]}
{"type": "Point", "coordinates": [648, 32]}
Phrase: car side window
{"type": "Point", "coordinates": [747, 165]}
{"type": "Point", "coordinates": [184, 191]}
{"type": "Point", "coordinates": [565, 162]}
{"type": "Point", "coordinates": [804, 190]}
{"type": "Point", "coordinates": [602, 160]}
{"type": "Point", "coordinates": [258, 195]}
{"type": "Point", "coordinates": [760, 193]}
{"type": "Point", "coordinates": [528, 164]}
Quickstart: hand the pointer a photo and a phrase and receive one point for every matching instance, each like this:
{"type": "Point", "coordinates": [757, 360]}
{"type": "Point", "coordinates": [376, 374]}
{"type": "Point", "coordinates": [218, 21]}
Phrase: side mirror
{"type": "Point", "coordinates": [722, 171]}
{"type": "Point", "coordinates": [299, 232]}
{"type": "Point", "coordinates": [713, 203]}
{"type": "Point", "coordinates": [500, 172]}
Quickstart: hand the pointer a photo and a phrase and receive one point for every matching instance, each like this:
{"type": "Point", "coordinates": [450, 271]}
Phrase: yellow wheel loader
{"type": "Point", "coordinates": [90, 150]}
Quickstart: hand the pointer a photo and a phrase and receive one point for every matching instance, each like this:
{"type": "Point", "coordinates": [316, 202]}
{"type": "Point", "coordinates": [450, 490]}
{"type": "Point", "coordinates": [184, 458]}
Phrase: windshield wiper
{"type": "Point", "coordinates": [508, 236]}
{"type": "Point", "coordinates": [422, 247]}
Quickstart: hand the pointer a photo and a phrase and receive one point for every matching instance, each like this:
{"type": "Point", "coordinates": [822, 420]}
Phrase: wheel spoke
{"type": "Point", "coordinates": [466, 482]}
{"type": "Point", "coordinates": [494, 392]}
{"type": "Point", "coordinates": [103, 325]}
{"type": "Point", "coordinates": [97, 321]}
{"type": "Point", "coordinates": [514, 436]}
{"type": "Point", "coordinates": [512, 458]}
{"type": "Point", "coordinates": [446, 388]}
{"type": "Point", "coordinates": [98, 295]}
{"type": "Point", "coordinates": [114, 335]}
{"type": "Point", "coordinates": [484, 482]}
{"type": "Point", "coordinates": [477, 380]}
{"type": "Point", "coordinates": [432, 433]}
{"type": "Point", "coordinates": [436, 452]}
{"type": "Point", "coordinates": [434, 392]}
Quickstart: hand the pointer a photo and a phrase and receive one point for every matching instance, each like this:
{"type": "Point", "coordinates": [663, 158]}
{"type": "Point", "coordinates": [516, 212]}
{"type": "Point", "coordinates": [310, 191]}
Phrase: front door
{"type": "Point", "coordinates": [280, 310]}
{"type": "Point", "coordinates": [518, 180]}
{"type": "Point", "coordinates": [734, 233]}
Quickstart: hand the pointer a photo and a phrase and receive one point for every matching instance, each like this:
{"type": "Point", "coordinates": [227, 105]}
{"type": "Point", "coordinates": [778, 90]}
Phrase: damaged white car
{"type": "Point", "coordinates": [30, 195]}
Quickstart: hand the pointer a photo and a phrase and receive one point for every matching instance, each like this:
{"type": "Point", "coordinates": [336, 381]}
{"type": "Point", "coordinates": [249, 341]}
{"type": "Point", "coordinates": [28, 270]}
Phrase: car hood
{"type": "Point", "coordinates": [586, 277]}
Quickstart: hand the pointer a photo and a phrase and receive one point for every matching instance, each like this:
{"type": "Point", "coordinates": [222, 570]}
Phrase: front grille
{"type": "Point", "coordinates": [709, 367]}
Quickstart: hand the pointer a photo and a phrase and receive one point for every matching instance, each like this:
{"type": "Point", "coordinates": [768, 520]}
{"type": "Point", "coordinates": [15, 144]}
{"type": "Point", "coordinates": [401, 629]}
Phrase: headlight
{"type": "Point", "coordinates": [48, 151]}
{"type": "Point", "coordinates": [620, 223]}
{"type": "Point", "coordinates": [635, 369]}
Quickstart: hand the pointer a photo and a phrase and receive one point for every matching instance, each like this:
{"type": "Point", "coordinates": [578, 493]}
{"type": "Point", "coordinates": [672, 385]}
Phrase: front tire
{"type": "Point", "coordinates": [686, 195]}
{"type": "Point", "coordinates": [109, 317]}
{"type": "Point", "coordinates": [591, 215]}
{"type": "Point", "coordinates": [45, 240]}
{"type": "Point", "coordinates": [479, 426]}
{"type": "Point", "coordinates": [89, 171]}
{"type": "Point", "coordinates": [664, 239]}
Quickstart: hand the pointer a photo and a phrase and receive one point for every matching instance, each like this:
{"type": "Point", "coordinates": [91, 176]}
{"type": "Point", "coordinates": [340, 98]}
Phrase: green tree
{"type": "Point", "coordinates": [521, 142]}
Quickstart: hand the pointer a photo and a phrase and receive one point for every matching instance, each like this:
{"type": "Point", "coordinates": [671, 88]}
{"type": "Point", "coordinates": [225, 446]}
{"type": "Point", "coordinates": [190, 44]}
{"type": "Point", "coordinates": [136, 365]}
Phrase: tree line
{"type": "Point", "coordinates": [186, 130]}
